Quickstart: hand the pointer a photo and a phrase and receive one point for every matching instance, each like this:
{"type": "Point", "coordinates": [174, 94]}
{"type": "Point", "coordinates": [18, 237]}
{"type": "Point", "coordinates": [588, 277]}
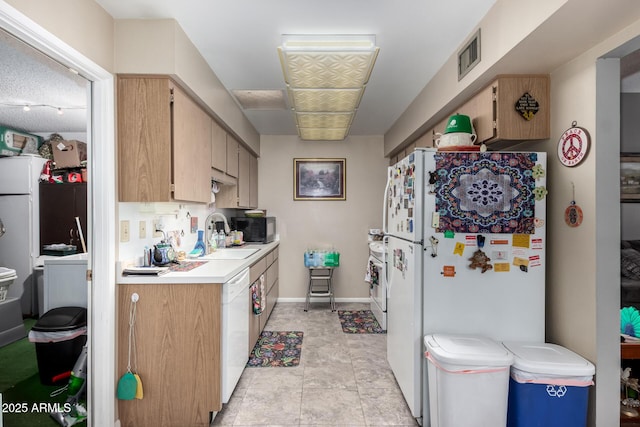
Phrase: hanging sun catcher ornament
{"type": "Point", "coordinates": [573, 214]}
{"type": "Point", "coordinates": [573, 145]}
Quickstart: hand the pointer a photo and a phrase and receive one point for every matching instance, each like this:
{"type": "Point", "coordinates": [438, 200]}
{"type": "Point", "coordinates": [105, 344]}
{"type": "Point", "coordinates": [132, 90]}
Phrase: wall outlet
{"type": "Point", "coordinates": [143, 229]}
{"type": "Point", "coordinates": [124, 231]}
{"type": "Point", "coordinates": [157, 225]}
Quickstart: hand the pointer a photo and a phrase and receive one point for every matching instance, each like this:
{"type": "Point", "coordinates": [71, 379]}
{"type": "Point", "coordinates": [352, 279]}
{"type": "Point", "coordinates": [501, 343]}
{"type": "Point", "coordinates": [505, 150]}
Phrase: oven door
{"type": "Point", "coordinates": [378, 291]}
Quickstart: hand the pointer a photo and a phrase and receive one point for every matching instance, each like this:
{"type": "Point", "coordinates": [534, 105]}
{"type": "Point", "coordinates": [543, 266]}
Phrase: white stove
{"type": "Point", "coordinates": [378, 282]}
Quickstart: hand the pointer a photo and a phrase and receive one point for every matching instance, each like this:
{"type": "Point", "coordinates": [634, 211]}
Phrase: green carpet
{"type": "Point", "coordinates": [24, 395]}
{"type": "Point", "coordinates": [18, 360]}
{"type": "Point", "coordinates": [21, 387]}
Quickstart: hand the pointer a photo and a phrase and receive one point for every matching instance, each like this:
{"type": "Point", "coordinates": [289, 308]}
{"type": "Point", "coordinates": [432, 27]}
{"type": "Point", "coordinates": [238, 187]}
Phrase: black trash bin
{"type": "Point", "coordinates": [59, 336]}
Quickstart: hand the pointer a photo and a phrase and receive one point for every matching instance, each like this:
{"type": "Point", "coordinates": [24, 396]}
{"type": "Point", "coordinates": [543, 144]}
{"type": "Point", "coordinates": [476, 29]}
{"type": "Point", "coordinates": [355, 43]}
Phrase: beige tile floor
{"type": "Point", "coordinates": [342, 379]}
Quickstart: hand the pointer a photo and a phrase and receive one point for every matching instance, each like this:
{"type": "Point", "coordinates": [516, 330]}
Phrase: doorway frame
{"type": "Point", "coordinates": [102, 208]}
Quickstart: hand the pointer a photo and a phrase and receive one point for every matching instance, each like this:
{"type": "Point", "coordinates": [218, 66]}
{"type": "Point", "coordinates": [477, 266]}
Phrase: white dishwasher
{"type": "Point", "coordinates": [235, 331]}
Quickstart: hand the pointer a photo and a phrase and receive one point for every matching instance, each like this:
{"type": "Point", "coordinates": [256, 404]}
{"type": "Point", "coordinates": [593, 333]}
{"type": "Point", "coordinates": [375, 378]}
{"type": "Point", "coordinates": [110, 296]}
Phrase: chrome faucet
{"type": "Point", "coordinates": [211, 220]}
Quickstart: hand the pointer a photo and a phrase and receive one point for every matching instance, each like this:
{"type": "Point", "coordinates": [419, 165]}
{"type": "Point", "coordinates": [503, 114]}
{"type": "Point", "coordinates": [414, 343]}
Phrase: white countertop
{"type": "Point", "coordinates": [213, 271]}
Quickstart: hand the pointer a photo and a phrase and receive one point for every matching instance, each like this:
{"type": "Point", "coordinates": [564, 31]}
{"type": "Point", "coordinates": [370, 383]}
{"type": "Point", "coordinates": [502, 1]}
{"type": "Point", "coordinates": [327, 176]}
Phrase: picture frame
{"type": "Point", "coordinates": [319, 179]}
{"type": "Point", "coordinates": [629, 177]}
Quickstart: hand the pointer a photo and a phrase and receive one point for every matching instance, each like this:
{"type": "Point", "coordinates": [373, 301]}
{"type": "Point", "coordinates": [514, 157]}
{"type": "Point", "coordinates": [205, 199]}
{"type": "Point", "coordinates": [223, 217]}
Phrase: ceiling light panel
{"type": "Point", "coordinates": [326, 75]}
{"type": "Point", "coordinates": [328, 70]}
{"type": "Point", "coordinates": [324, 120]}
{"type": "Point", "coordinates": [322, 134]}
{"type": "Point", "coordinates": [336, 100]}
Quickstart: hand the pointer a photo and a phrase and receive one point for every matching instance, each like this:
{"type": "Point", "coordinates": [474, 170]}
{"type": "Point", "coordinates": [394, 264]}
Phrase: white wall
{"type": "Point", "coordinates": [176, 221]}
{"type": "Point", "coordinates": [308, 224]}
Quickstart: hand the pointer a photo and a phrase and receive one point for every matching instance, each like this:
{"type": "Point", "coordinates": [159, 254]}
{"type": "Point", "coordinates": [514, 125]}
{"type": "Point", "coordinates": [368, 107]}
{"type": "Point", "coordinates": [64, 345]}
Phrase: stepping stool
{"type": "Point", "coordinates": [320, 285]}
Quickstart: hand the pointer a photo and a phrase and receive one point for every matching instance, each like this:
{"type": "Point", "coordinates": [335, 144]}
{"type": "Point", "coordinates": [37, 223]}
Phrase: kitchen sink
{"type": "Point", "coordinates": [230, 253]}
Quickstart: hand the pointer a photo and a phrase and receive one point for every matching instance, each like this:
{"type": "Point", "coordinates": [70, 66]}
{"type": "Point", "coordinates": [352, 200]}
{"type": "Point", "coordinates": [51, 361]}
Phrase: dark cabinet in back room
{"type": "Point", "coordinates": [60, 204]}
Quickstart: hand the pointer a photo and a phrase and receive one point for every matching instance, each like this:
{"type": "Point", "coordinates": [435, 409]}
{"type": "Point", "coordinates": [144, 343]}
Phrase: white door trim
{"type": "Point", "coordinates": [101, 135]}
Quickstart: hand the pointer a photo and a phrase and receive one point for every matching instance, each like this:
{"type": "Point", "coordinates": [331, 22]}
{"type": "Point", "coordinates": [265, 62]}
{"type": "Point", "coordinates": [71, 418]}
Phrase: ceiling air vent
{"type": "Point", "coordinates": [469, 56]}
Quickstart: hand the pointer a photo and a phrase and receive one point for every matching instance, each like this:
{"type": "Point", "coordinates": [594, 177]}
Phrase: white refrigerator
{"type": "Point", "coordinates": [19, 210]}
{"type": "Point", "coordinates": [465, 236]}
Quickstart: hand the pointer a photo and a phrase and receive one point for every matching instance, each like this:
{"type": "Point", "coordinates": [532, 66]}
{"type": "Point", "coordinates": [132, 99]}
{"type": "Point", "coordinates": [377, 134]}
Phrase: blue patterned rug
{"type": "Point", "coordinates": [486, 192]}
{"type": "Point", "coordinates": [276, 349]}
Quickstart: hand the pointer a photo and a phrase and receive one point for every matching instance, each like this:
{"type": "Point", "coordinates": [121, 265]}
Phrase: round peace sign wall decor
{"type": "Point", "coordinates": [573, 145]}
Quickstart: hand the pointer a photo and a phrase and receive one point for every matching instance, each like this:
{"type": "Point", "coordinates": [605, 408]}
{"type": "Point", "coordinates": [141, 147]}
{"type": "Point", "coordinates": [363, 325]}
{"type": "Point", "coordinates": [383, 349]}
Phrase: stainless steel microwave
{"type": "Point", "coordinates": [258, 230]}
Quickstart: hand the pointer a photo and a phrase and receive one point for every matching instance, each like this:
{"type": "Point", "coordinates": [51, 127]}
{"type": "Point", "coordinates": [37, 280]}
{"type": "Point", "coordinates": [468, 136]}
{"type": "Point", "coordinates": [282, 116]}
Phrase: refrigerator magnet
{"type": "Point", "coordinates": [501, 267]}
{"type": "Point", "coordinates": [448, 271]}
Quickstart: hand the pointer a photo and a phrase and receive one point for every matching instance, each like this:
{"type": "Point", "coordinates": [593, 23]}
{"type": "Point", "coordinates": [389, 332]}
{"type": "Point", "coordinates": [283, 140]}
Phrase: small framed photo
{"type": "Point", "coordinates": [319, 179]}
{"type": "Point", "coordinates": [630, 177]}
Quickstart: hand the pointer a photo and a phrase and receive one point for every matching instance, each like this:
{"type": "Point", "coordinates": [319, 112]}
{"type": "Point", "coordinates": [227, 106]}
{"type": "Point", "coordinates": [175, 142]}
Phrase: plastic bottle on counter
{"type": "Point", "coordinates": [222, 239]}
{"type": "Point", "coordinates": [213, 241]}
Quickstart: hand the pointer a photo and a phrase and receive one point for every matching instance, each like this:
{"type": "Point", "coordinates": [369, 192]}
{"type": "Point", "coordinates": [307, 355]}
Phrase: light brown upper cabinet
{"type": "Point", "coordinates": [245, 193]}
{"type": "Point", "coordinates": [232, 156]}
{"type": "Point", "coordinates": [497, 113]}
{"type": "Point", "coordinates": [218, 147]}
{"type": "Point", "coordinates": [497, 110]}
{"type": "Point", "coordinates": [164, 142]}
{"type": "Point", "coordinates": [247, 179]}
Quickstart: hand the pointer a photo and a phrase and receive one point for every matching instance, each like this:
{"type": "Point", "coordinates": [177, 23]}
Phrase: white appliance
{"type": "Point", "coordinates": [440, 209]}
{"type": "Point", "coordinates": [235, 331]}
{"type": "Point", "coordinates": [65, 283]}
{"type": "Point", "coordinates": [19, 210]}
{"type": "Point", "coordinates": [377, 278]}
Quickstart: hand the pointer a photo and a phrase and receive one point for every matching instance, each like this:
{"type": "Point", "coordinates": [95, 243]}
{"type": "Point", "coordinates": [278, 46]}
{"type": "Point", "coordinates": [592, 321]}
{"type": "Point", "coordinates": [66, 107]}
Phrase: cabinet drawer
{"type": "Point", "coordinates": [257, 269]}
{"type": "Point", "coordinates": [272, 256]}
{"type": "Point", "coordinates": [272, 297]}
{"type": "Point", "coordinates": [272, 275]}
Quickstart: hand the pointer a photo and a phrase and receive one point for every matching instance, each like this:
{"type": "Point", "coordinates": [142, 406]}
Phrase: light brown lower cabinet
{"type": "Point", "coordinates": [267, 266]}
{"type": "Point", "coordinates": [178, 347]}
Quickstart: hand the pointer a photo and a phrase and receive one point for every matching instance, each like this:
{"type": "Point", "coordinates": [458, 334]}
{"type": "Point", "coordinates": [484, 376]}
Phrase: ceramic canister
{"type": "Point", "coordinates": [455, 139]}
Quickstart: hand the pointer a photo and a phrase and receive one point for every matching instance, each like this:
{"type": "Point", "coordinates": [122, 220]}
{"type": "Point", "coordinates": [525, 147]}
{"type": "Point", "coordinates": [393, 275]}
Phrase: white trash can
{"type": "Point", "coordinates": [468, 377]}
{"type": "Point", "coordinates": [549, 386]}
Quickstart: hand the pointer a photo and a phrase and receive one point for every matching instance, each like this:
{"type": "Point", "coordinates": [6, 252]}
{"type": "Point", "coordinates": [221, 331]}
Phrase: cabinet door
{"type": "Point", "coordinates": [484, 120]}
{"type": "Point", "coordinates": [218, 147]}
{"type": "Point", "coordinates": [191, 150]}
{"type": "Point", "coordinates": [144, 139]}
{"type": "Point", "coordinates": [253, 181]}
{"type": "Point", "coordinates": [244, 177]}
{"type": "Point", "coordinates": [232, 156]}
{"type": "Point", "coordinates": [510, 123]}
{"type": "Point", "coordinates": [178, 348]}
{"type": "Point", "coordinates": [254, 326]}
{"type": "Point", "coordinates": [60, 204]}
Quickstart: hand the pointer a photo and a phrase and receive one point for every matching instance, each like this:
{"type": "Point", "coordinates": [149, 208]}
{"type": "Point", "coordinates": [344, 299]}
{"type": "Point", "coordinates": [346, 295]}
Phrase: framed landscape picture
{"type": "Point", "coordinates": [319, 179]}
{"type": "Point", "coordinates": [630, 177]}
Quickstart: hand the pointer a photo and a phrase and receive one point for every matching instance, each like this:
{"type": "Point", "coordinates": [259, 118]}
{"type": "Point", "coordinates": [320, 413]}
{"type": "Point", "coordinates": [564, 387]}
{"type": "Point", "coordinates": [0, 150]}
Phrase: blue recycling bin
{"type": "Point", "coordinates": [548, 386]}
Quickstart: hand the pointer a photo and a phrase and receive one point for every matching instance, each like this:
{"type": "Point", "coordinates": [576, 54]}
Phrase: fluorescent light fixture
{"type": "Point", "coordinates": [326, 75]}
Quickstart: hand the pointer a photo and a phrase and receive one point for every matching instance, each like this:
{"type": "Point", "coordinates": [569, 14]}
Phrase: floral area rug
{"type": "Point", "coordinates": [276, 349]}
{"type": "Point", "coordinates": [359, 322]}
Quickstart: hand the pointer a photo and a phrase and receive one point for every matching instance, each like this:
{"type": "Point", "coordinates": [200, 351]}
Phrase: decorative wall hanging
{"type": "Point", "coordinates": [486, 192]}
{"type": "Point", "coordinates": [630, 177]}
{"type": "Point", "coordinates": [573, 145]}
{"type": "Point", "coordinates": [527, 106]}
{"type": "Point", "coordinates": [573, 214]}
{"type": "Point", "coordinates": [319, 179]}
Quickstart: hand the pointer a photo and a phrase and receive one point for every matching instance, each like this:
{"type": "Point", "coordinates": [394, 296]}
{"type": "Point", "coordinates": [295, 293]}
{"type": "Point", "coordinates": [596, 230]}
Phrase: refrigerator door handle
{"type": "Point", "coordinates": [384, 200]}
